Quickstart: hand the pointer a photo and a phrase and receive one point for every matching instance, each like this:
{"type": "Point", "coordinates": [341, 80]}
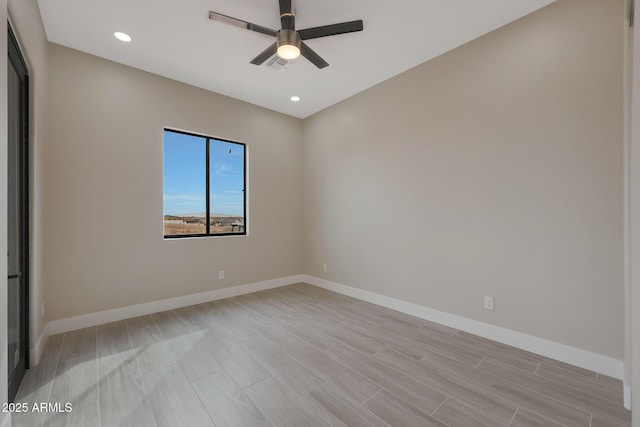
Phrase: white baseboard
{"type": "Point", "coordinates": [107, 316]}
{"type": "Point", "coordinates": [564, 353]}
{"type": "Point", "coordinates": [36, 352]}
{"type": "Point", "coordinates": [627, 397]}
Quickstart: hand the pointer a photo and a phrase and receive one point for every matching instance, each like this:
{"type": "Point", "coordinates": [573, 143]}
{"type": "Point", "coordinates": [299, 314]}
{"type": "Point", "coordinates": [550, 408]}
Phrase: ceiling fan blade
{"type": "Point", "coordinates": [313, 57]}
{"type": "Point", "coordinates": [287, 15]}
{"type": "Point", "coordinates": [331, 30]}
{"type": "Point", "coordinates": [215, 16]}
{"type": "Point", "coordinates": [265, 54]}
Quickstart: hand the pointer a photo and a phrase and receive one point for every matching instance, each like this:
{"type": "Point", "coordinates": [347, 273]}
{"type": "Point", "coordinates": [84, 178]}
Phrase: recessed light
{"type": "Point", "coordinates": [295, 98]}
{"type": "Point", "coordinates": [122, 36]}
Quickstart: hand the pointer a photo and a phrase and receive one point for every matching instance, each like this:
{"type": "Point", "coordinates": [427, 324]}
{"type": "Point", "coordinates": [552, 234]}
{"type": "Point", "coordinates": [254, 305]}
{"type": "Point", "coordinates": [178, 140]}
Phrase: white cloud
{"type": "Point", "coordinates": [223, 168]}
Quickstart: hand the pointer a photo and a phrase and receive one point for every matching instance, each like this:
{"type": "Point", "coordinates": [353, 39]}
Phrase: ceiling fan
{"type": "Point", "coordinates": [289, 42]}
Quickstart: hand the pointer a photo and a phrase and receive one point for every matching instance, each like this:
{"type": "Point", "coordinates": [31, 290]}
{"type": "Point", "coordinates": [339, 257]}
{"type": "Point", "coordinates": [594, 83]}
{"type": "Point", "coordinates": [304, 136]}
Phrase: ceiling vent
{"type": "Point", "coordinates": [277, 63]}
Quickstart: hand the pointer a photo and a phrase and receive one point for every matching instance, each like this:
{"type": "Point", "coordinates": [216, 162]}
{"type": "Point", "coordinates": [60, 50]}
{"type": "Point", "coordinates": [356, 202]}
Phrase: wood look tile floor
{"type": "Point", "coordinates": [303, 356]}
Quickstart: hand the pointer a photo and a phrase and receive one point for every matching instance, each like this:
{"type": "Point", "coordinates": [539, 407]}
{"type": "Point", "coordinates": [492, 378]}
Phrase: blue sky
{"type": "Point", "coordinates": [184, 176]}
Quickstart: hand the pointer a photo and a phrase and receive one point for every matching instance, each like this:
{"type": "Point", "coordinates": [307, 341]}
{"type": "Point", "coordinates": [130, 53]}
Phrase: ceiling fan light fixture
{"type": "Point", "coordinates": [288, 44]}
{"type": "Point", "coordinates": [288, 51]}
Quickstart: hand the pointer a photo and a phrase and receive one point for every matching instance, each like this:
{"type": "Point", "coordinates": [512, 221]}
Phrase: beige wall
{"type": "Point", "coordinates": [103, 209]}
{"type": "Point", "coordinates": [495, 169]}
{"type": "Point", "coordinates": [627, 84]}
{"type": "Point", "coordinates": [25, 16]}
{"type": "Point", "coordinates": [634, 235]}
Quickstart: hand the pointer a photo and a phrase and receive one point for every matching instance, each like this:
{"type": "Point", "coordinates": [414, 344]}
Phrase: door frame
{"type": "Point", "coordinates": [16, 57]}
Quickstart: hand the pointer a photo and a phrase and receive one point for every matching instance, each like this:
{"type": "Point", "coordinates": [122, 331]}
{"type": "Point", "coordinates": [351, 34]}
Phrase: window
{"type": "Point", "coordinates": [204, 186]}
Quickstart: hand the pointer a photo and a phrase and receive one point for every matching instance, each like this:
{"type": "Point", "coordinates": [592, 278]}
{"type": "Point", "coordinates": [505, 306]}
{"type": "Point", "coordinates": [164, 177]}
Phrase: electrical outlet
{"type": "Point", "coordinates": [489, 303]}
{"type": "Point", "coordinates": [221, 275]}
{"type": "Point", "coordinates": [324, 267]}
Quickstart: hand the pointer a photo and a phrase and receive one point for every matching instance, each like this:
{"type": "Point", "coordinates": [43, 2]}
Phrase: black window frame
{"type": "Point", "coordinates": [208, 140]}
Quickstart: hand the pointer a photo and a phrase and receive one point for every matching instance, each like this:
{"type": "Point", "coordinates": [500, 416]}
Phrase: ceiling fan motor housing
{"type": "Point", "coordinates": [288, 38]}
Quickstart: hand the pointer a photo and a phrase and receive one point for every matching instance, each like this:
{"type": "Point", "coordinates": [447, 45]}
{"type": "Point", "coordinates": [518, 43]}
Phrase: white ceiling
{"type": "Point", "coordinates": [175, 39]}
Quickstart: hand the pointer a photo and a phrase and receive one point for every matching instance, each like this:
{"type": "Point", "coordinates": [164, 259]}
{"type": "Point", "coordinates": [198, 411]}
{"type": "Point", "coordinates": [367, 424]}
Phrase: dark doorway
{"type": "Point", "coordinates": [17, 217]}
